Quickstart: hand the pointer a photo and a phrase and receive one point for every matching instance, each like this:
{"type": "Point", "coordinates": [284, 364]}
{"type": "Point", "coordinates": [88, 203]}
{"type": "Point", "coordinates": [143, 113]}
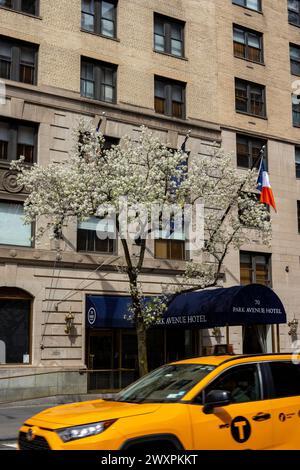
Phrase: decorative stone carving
{"type": "Point", "coordinates": [9, 182]}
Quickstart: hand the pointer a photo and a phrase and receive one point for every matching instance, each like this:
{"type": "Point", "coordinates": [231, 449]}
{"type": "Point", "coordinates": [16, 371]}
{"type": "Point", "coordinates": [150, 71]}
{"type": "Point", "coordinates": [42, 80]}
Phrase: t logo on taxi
{"type": "Point", "coordinates": [240, 429]}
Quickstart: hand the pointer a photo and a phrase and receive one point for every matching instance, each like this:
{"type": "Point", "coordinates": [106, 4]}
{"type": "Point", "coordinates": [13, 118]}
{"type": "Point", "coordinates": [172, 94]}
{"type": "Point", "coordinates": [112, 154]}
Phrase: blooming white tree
{"type": "Point", "coordinates": [146, 173]}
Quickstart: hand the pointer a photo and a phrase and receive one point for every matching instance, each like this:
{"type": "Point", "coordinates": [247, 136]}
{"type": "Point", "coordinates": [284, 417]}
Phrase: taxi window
{"type": "Point", "coordinates": [286, 379]}
{"type": "Point", "coordinates": [241, 381]}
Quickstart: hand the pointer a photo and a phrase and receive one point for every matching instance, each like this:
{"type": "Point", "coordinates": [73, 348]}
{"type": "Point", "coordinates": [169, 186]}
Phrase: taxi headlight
{"type": "Point", "coordinates": [79, 432]}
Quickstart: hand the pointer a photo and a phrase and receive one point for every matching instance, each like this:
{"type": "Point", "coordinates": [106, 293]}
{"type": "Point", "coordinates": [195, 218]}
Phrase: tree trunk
{"type": "Point", "coordinates": [142, 347]}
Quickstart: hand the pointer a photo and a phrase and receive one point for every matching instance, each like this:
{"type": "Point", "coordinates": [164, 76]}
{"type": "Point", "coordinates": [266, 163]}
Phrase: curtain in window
{"type": "Point", "coordinates": [12, 228]}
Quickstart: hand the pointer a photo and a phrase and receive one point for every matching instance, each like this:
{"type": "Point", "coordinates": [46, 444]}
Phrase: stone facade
{"type": "Point", "coordinates": [60, 284]}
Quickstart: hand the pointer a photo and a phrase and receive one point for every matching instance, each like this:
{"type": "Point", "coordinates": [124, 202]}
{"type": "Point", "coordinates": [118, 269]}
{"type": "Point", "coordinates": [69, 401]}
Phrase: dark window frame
{"type": "Point", "coordinates": [247, 87]}
{"type": "Point", "coordinates": [16, 5]}
{"type": "Point", "coordinates": [297, 165]}
{"type": "Point", "coordinates": [294, 62]}
{"type": "Point", "coordinates": [292, 14]}
{"type": "Point", "coordinates": [110, 142]}
{"type": "Point", "coordinates": [113, 243]}
{"type": "Point", "coordinates": [98, 30]}
{"type": "Point", "coordinates": [296, 111]}
{"type": "Point", "coordinates": [99, 79]}
{"type": "Point", "coordinates": [253, 262]}
{"type": "Point", "coordinates": [168, 100]}
{"type": "Point", "coordinates": [247, 32]}
{"type": "Point", "coordinates": [250, 141]}
{"type": "Point", "coordinates": [13, 143]}
{"type": "Point", "coordinates": [168, 22]}
{"type": "Point", "coordinates": [298, 215]}
{"type": "Point", "coordinates": [169, 249]}
{"type": "Point", "coordinates": [16, 62]}
{"type": "Point", "coordinates": [244, 4]}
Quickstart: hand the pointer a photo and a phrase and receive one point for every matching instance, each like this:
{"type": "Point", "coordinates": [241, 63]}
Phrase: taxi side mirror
{"type": "Point", "coordinates": [216, 399]}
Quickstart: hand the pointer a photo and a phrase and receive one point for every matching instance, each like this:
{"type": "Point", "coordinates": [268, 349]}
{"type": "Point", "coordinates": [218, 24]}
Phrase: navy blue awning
{"type": "Point", "coordinates": [239, 305]}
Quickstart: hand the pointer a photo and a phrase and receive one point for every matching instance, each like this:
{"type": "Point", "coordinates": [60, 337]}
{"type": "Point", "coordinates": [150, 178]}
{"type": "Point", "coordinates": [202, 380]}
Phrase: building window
{"type": "Point", "coordinates": [15, 313]}
{"type": "Point", "coordinates": [294, 12]}
{"type": "Point", "coordinates": [170, 98]}
{"type": "Point", "coordinates": [18, 61]}
{"type": "Point", "coordinates": [26, 6]}
{"type": "Point", "coordinates": [255, 268]}
{"type": "Point", "coordinates": [99, 17]}
{"type": "Point", "coordinates": [248, 151]}
{"type": "Point", "coordinates": [295, 59]}
{"type": "Point", "coordinates": [170, 237]}
{"type": "Point", "coordinates": [298, 215]}
{"type": "Point", "coordinates": [168, 35]}
{"type": "Point", "coordinates": [297, 161]}
{"type": "Point", "coordinates": [248, 44]}
{"type": "Point", "coordinates": [170, 249]}
{"type": "Point", "coordinates": [12, 228]}
{"type": "Point", "coordinates": [98, 80]}
{"type": "Point", "coordinates": [296, 110]}
{"type": "Point", "coordinates": [250, 98]}
{"type": "Point", "coordinates": [96, 236]}
{"type": "Point", "coordinates": [110, 142]}
{"type": "Point", "coordinates": [17, 139]}
{"type": "Point", "coordinates": [251, 4]}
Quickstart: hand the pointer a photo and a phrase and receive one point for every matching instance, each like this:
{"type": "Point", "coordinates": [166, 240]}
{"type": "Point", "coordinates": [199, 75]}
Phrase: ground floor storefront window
{"type": "Point", "coordinates": [112, 356]}
{"type": "Point", "coordinates": [15, 312]}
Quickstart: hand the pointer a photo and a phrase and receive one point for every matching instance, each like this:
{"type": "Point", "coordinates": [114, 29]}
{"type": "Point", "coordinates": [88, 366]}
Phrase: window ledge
{"type": "Point", "coordinates": [260, 12]}
{"type": "Point", "coordinates": [294, 24]}
{"type": "Point", "coordinates": [37, 17]}
{"type": "Point", "coordinates": [15, 247]}
{"type": "Point", "coordinates": [251, 61]}
{"type": "Point", "coordinates": [171, 55]}
{"type": "Point", "coordinates": [97, 253]}
{"type": "Point", "coordinates": [99, 35]}
{"type": "Point", "coordinates": [265, 118]}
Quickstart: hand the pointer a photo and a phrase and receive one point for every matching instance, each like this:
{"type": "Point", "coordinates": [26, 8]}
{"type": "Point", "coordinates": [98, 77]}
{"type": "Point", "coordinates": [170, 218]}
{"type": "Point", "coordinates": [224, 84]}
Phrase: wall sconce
{"type": "Point", "coordinates": [69, 319]}
{"type": "Point", "coordinates": [216, 332]}
{"type": "Point", "coordinates": [293, 325]}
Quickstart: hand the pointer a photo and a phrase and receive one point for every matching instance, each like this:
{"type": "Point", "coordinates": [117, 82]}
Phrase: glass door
{"type": "Point", "coordinates": [101, 360]}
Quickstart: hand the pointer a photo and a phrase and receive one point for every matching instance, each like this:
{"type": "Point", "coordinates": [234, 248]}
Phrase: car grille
{"type": "Point", "coordinates": [38, 443]}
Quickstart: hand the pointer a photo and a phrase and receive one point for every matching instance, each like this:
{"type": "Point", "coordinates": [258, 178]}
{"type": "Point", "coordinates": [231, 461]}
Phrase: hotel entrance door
{"type": "Point", "coordinates": [112, 356]}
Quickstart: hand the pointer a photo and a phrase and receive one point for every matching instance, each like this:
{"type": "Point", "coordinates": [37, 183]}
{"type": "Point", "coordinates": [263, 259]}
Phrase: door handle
{"type": "Point", "coordinates": [262, 417]}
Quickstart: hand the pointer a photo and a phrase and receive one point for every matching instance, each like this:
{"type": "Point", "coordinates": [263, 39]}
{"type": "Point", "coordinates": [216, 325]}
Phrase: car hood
{"type": "Point", "coordinates": [88, 412]}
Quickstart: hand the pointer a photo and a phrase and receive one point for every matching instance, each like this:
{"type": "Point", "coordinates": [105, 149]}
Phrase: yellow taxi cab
{"type": "Point", "coordinates": [218, 402]}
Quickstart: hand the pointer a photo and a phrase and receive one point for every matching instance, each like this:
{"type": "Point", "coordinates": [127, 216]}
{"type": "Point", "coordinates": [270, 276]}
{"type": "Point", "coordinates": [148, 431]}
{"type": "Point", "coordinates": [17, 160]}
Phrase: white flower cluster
{"type": "Point", "coordinates": [146, 172]}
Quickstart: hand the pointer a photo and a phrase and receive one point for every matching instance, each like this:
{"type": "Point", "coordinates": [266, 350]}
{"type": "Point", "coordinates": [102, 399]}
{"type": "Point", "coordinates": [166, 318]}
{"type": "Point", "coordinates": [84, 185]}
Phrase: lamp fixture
{"type": "Point", "coordinates": [69, 319]}
{"type": "Point", "coordinates": [293, 325]}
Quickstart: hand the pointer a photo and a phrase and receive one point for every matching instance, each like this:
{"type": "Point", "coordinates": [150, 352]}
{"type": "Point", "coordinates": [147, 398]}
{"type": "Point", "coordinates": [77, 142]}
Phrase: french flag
{"type": "Point", "coordinates": [264, 187]}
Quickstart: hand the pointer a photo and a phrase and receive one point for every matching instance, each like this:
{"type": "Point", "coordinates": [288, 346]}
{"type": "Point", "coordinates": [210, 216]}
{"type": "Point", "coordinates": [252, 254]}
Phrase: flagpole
{"type": "Point", "coordinates": [260, 158]}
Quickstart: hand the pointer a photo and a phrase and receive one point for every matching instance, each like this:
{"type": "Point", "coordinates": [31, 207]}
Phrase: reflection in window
{"type": "Point", "coordinates": [99, 17]}
{"type": "Point", "coordinates": [18, 61]}
{"type": "Point", "coordinates": [168, 35]}
{"type": "Point", "coordinates": [98, 80]}
{"type": "Point", "coordinates": [170, 97]}
{"type": "Point", "coordinates": [13, 231]}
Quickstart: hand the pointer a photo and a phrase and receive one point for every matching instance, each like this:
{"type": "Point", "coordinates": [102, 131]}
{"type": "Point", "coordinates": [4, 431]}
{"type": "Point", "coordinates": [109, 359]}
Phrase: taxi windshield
{"type": "Point", "coordinates": [167, 384]}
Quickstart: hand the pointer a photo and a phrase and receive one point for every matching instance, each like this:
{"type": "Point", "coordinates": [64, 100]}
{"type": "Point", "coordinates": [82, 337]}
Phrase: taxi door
{"type": "Point", "coordinates": [244, 424]}
{"type": "Point", "coordinates": [285, 403]}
